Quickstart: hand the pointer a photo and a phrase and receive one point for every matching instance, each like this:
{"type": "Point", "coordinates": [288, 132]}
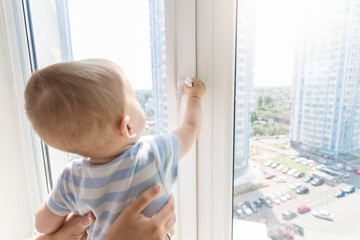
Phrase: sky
{"type": "Point", "coordinates": [276, 25]}
{"type": "Point", "coordinates": [119, 30]}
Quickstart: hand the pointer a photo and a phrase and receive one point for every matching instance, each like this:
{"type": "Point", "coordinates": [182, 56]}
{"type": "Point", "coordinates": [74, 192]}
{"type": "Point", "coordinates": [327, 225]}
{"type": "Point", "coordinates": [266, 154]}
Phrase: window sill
{"type": "Point", "coordinates": [248, 230]}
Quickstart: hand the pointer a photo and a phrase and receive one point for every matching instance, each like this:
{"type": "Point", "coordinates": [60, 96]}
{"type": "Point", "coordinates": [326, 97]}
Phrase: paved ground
{"type": "Point", "coordinates": [346, 210]}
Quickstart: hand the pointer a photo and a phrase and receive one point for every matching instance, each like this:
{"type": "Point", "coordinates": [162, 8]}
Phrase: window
{"type": "Point", "coordinates": [284, 160]}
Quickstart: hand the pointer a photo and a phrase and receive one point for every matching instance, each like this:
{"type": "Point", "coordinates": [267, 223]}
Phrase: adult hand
{"type": "Point", "coordinates": [131, 224]}
{"type": "Point", "coordinates": [74, 228]}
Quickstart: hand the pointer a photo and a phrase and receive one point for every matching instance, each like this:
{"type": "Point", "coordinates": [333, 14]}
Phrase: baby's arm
{"type": "Point", "coordinates": [46, 221]}
{"type": "Point", "coordinates": [189, 130]}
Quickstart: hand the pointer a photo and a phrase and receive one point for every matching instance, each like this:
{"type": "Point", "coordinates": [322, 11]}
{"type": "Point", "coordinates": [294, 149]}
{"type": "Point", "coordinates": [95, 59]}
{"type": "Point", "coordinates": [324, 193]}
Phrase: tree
{"type": "Point", "coordinates": [260, 101]}
{"type": "Point", "coordinates": [254, 117]}
{"type": "Point", "coordinates": [268, 100]}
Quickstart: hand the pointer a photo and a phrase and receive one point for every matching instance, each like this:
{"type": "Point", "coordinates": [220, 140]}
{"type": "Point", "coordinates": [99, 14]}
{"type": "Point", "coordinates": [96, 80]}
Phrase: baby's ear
{"type": "Point", "coordinates": [125, 127]}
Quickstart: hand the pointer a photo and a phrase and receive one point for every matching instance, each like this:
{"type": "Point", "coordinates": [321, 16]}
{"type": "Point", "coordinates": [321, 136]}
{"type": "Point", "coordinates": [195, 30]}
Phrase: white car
{"type": "Point", "coordinates": [288, 196]}
{"type": "Point", "coordinates": [295, 185]}
{"type": "Point", "coordinates": [281, 196]}
{"type": "Point", "coordinates": [246, 209]}
{"type": "Point", "coordinates": [323, 215]}
{"type": "Point", "coordinates": [291, 172]}
{"type": "Point", "coordinates": [280, 179]}
{"type": "Point", "coordinates": [268, 163]}
{"type": "Point", "coordinates": [274, 199]}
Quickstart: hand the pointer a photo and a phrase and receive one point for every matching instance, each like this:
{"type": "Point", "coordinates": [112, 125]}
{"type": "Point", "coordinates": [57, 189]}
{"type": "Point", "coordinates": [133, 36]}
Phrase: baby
{"type": "Point", "coordinates": [89, 108]}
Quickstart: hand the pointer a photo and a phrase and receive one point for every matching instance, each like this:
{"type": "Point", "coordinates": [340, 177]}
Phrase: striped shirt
{"type": "Point", "coordinates": [106, 189]}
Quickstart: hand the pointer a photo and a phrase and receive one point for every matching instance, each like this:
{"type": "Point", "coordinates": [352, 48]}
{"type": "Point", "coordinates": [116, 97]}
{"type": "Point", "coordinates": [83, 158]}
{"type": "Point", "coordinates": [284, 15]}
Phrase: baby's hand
{"type": "Point", "coordinates": [198, 90]}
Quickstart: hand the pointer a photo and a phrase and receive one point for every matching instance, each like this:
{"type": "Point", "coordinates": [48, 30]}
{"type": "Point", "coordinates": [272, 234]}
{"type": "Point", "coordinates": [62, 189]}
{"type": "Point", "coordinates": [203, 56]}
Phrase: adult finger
{"type": "Point", "coordinates": [84, 237]}
{"type": "Point", "coordinates": [169, 226]}
{"type": "Point", "coordinates": [144, 199]}
{"type": "Point", "coordinates": [85, 221]}
{"type": "Point", "coordinates": [167, 211]}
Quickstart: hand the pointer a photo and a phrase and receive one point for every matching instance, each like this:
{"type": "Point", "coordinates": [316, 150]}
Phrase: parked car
{"type": "Point", "coordinates": [323, 215]}
{"type": "Point", "coordinates": [357, 171]}
{"type": "Point", "coordinates": [288, 215]}
{"type": "Point", "coordinates": [298, 174]}
{"type": "Point", "coordinates": [294, 186]}
{"type": "Point", "coordinates": [246, 209]}
{"type": "Point", "coordinates": [303, 209]}
{"type": "Point", "coordinates": [302, 190]}
{"type": "Point", "coordinates": [348, 168]}
{"type": "Point", "coordinates": [266, 201]}
{"type": "Point", "coordinates": [274, 164]}
{"type": "Point", "coordinates": [274, 199]}
{"type": "Point", "coordinates": [240, 212]}
{"type": "Point", "coordinates": [297, 229]}
{"type": "Point", "coordinates": [280, 179]}
{"type": "Point", "coordinates": [270, 176]}
{"type": "Point", "coordinates": [285, 169]}
{"type": "Point", "coordinates": [280, 232]}
{"type": "Point", "coordinates": [281, 166]}
{"type": "Point", "coordinates": [339, 166]}
{"type": "Point", "coordinates": [339, 194]}
{"type": "Point", "coordinates": [310, 163]}
{"type": "Point", "coordinates": [258, 203]}
{"type": "Point", "coordinates": [280, 196]}
{"type": "Point", "coordinates": [268, 163]}
{"type": "Point", "coordinates": [349, 189]}
{"type": "Point", "coordinates": [317, 182]}
{"type": "Point", "coordinates": [288, 196]}
{"type": "Point", "coordinates": [291, 172]}
{"type": "Point", "coordinates": [345, 174]}
{"type": "Point", "coordinates": [252, 206]}
{"type": "Point", "coordinates": [308, 179]}
{"type": "Point", "coordinates": [263, 221]}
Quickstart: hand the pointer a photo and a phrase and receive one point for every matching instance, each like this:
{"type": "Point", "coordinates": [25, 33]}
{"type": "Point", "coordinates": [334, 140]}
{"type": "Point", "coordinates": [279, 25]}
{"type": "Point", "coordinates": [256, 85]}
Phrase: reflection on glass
{"type": "Point", "coordinates": [297, 118]}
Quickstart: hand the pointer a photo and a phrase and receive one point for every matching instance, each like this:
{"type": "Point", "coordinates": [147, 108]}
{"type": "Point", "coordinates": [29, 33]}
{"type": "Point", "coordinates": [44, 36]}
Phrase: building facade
{"type": "Point", "coordinates": [326, 86]}
{"type": "Point", "coordinates": [245, 53]}
{"type": "Point", "coordinates": [158, 64]}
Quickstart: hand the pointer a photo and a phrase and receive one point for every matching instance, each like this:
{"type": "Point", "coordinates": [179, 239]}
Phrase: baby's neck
{"type": "Point", "coordinates": [106, 159]}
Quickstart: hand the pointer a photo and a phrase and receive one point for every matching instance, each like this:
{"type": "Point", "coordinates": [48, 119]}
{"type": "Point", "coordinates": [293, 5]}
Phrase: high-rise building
{"type": "Point", "coordinates": [245, 53]}
{"type": "Point", "coordinates": [158, 63]}
{"type": "Point", "coordinates": [326, 87]}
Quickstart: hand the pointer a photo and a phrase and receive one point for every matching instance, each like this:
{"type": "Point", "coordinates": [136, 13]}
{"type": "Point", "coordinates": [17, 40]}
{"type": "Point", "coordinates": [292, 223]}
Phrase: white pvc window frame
{"type": "Point", "coordinates": [20, 62]}
{"type": "Point", "coordinates": [216, 31]}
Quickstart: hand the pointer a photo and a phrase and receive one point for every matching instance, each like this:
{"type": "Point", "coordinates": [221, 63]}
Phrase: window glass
{"type": "Point", "coordinates": [129, 33]}
{"type": "Point", "coordinates": [297, 115]}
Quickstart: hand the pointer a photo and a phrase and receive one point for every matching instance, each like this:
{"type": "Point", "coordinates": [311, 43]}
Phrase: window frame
{"type": "Point", "coordinates": [216, 31]}
{"type": "Point", "coordinates": [20, 62]}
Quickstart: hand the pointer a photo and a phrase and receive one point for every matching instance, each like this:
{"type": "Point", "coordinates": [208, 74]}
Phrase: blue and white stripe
{"type": "Point", "coordinates": [106, 189]}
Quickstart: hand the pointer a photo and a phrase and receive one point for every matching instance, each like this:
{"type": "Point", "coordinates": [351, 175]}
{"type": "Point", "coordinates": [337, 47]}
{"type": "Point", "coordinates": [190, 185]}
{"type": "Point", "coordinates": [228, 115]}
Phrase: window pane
{"type": "Point", "coordinates": [129, 33]}
{"type": "Point", "coordinates": [297, 115]}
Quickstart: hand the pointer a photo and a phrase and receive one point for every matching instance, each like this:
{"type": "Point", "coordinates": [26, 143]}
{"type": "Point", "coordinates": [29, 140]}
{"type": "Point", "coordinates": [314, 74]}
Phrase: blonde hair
{"type": "Point", "coordinates": [76, 100]}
